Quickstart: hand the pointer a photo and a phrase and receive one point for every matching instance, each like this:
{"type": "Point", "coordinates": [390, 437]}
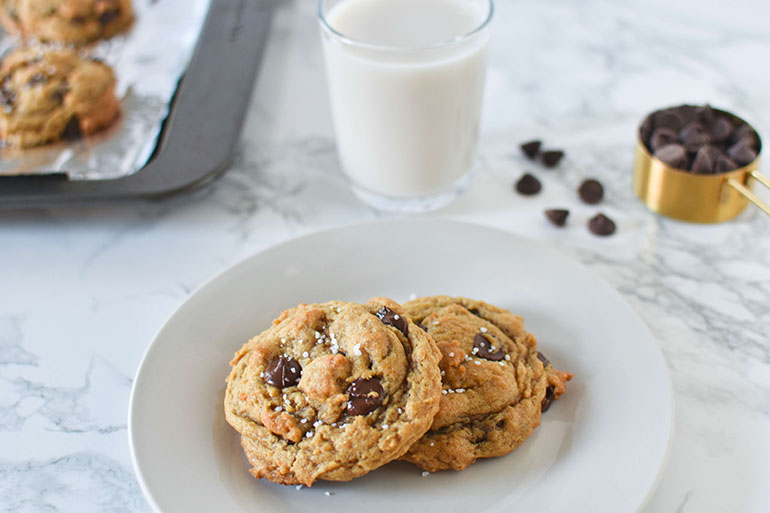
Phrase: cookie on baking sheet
{"type": "Point", "coordinates": [494, 382]}
{"type": "Point", "coordinates": [66, 21]}
{"type": "Point", "coordinates": [48, 94]}
{"type": "Point", "coordinates": [332, 391]}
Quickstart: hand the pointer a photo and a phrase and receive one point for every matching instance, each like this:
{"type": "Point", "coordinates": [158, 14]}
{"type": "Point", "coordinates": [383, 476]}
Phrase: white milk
{"type": "Point", "coordinates": [405, 102]}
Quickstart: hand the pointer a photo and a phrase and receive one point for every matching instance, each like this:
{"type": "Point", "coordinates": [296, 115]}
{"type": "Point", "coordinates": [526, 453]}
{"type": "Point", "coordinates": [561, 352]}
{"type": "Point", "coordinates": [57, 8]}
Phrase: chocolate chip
{"type": "Point", "coordinates": [107, 16]}
{"type": "Point", "coordinates": [669, 118]}
{"type": "Point", "coordinates": [484, 348]}
{"type": "Point", "coordinates": [721, 130]}
{"type": "Point", "coordinates": [542, 358]}
{"type": "Point", "coordinates": [645, 131]}
{"type": "Point", "coordinates": [365, 395]}
{"type": "Point", "coordinates": [742, 153]}
{"type": "Point", "coordinates": [283, 372]}
{"type": "Point", "coordinates": [72, 129]}
{"type": "Point", "coordinates": [391, 318]}
{"type": "Point", "coordinates": [551, 158]}
{"type": "Point", "coordinates": [744, 133]}
{"type": "Point", "coordinates": [528, 185]}
{"type": "Point", "coordinates": [7, 99]}
{"type": "Point", "coordinates": [724, 164]}
{"type": "Point", "coordinates": [601, 225]}
{"type": "Point", "coordinates": [693, 136]}
{"type": "Point", "coordinates": [36, 79]}
{"type": "Point", "coordinates": [704, 114]}
{"type": "Point", "coordinates": [591, 191]}
{"type": "Point", "coordinates": [672, 154]}
{"type": "Point", "coordinates": [475, 312]}
{"type": "Point", "coordinates": [661, 137]}
{"type": "Point", "coordinates": [531, 148]}
{"type": "Point", "coordinates": [705, 160]}
{"type": "Point", "coordinates": [557, 216]}
{"type": "Point", "coordinates": [548, 399]}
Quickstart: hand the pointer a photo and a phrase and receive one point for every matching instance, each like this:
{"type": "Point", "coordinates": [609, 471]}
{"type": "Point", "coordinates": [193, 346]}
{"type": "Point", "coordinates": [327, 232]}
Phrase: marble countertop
{"type": "Point", "coordinates": [83, 291]}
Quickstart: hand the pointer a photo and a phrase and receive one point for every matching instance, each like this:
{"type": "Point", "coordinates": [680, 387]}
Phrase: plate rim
{"type": "Point", "coordinates": [540, 245]}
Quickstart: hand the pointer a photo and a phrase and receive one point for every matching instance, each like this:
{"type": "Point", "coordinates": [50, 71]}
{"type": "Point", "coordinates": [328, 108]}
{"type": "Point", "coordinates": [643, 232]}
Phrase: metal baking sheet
{"type": "Point", "coordinates": [202, 128]}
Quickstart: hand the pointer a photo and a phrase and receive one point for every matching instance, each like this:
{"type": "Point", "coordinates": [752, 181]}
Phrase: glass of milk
{"type": "Point", "coordinates": [406, 80]}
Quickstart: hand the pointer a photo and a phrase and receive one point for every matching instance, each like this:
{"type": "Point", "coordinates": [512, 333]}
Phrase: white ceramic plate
{"type": "Point", "coordinates": [599, 449]}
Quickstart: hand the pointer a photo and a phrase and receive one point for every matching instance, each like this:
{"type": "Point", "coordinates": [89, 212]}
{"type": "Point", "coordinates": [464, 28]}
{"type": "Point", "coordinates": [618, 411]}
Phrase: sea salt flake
{"type": "Point", "coordinates": [279, 408]}
{"type": "Point", "coordinates": [357, 349]}
{"type": "Point", "coordinates": [327, 493]}
{"type": "Point", "coordinates": [483, 329]}
{"type": "Point", "coordinates": [298, 487]}
{"type": "Point", "coordinates": [304, 355]}
{"type": "Point", "coordinates": [384, 426]}
{"type": "Point", "coordinates": [451, 354]}
{"type": "Point", "coordinates": [477, 362]}
{"type": "Point", "coordinates": [412, 296]}
{"type": "Point", "coordinates": [425, 473]}
{"type": "Point", "coordinates": [309, 434]}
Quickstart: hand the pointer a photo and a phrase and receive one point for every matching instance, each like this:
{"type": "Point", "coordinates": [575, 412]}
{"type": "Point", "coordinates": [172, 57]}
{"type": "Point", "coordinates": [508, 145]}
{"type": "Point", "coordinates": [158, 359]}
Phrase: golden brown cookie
{"type": "Point", "coordinates": [48, 94]}
{"type": "Point", "coordinates": [494, 382]}
{"type": "Point", "coordinates": [332, 391]}
{"type": "Point", "coordinates": [66, 21]}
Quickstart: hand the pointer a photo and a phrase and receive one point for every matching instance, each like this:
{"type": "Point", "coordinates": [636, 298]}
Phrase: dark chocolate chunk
{"type": "Point", "coordinates": [591, 191]}
{"type": "Point", "coordinates": [283, 372]}
{"type": "Point", "coordinates": [548, 399]}
{"type": "Point", "coordinates": [107, 16]}
{"type": "Point", "coordinates": [391, 318]}
{"type": "Point", "coordinates": [483, 348]}
{"type": "Point", "coordinates": [365, 395]}
{"type": "Point", "coordinates": [721, 130]}
{"type": "Point", "coordinates": [528, 185]}
{"type": "Point", "coordinates": [724, 164]}
{"type": "Point", "coordinates": [601, 225]}
{"type": "Point", "coordinates": [37, 79]}
{"type": "Point", "coordinates": [542, 358]}
{"type": "Point", "coordinates": [551, 158]}
{"type": "Point", "coordinates": [7, 99]}
{"type": "Point", "coordinates": [661, 137]}
{"type": "Point", "coordinates": [742, 153]}
{"type": "Point", "coordinates": [705, 160]}
{"type": "Point", "coordinates": [475, 312]}
{"type": "Point", "coordinates": [693, 136]}
{"type": "Point", "coordinates": [557, 216]}
{"type": "Point", "coordinates": [672, 154]}
{"type": "Point", "coordinates": [72, 129]}
{"type": "Point", "coordinates": [531, 148]}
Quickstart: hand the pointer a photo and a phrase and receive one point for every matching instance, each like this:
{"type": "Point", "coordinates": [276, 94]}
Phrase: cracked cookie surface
{"type": "Point", "coordinates": [48, 94]}
{"type": "Point", "coordinates": [493, 378]}
{"type": "Point", "coordinates": [332, 390]}
{"type": "Point", "coordinates": [66, 21]}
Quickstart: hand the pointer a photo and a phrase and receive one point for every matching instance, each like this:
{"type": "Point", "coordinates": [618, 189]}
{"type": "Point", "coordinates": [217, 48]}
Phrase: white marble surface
{"type": "Point", "coordinates": [82, 292]}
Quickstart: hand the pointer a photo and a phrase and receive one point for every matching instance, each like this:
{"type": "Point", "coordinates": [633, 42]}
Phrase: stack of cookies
{"type": "Point", "coordinates": [334, 390]}
{"type": "Point", "coordinates": [54, 91]}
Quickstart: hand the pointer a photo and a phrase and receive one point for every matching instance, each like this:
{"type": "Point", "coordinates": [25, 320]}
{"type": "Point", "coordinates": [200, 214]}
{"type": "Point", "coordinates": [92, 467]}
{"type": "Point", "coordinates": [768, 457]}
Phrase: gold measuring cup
{"type": "Point", "coordinates": [696, 198]}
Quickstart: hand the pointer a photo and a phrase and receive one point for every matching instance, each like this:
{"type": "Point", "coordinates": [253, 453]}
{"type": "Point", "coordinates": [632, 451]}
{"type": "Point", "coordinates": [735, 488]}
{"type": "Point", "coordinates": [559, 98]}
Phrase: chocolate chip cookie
{"type": "Point", "coordinates": [66, 21]}
{"type": "Point", "coordinates": [332, 391]}
{"type": "Point", "coordinates": [495, 383]}
{"type": "Point", "coordinates": [48, 94]}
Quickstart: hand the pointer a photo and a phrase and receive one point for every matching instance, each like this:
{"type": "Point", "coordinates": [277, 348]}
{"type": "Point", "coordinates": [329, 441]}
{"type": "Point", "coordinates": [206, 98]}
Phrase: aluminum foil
{"type": "Point", "coordinates": [148, 62]}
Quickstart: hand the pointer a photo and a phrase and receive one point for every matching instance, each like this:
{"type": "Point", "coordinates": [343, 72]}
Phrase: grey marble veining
{"type": "Point", "coordinates": [83, 291]}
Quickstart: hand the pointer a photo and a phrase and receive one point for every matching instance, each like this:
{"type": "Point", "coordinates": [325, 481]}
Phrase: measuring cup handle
{"type": "Point", "coordinates": [742, 189]}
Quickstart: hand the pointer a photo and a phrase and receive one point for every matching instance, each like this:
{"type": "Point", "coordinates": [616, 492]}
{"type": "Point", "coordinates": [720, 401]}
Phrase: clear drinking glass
{"type": "Point", "coordinates": [406, 115]}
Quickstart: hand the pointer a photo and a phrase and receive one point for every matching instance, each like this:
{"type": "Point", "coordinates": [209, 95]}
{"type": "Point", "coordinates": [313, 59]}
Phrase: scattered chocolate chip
{"type": "Point", "coordinates": [721, 130]}
{"type": "Point", "coordinates": [693, 136]}
{"type": "Point", "coordinates": [283, 372]}
{"type": "Point", "coordinates": [107, 16]}
{"type": "Point", "coordinates": [591, 191]}
{"type": "Point", "coordinates": [531, 148]}
{"type": "Point", "coordinates": [601, 225]}
{"type": "Point", "coordinates": [72, 129]}
{"type": "Point", "coordinates": [528, 185]}
{"type": "Point", "coordinates": [37, 79]}
{"type": "Point", "coordinates": [742, 153]}
{"type": "Point", "coordinates": [551, 158]}
{"type": "Point", "coordinates": [557, 216]}
{"type": "Point", "coordinates": [542, 358]}
{"type": "Point", "coordinates": [548, 399]}
{"type": "Point", "coordinates": [484, 348]}
{"type": "Point", "coordinates": [724, 164]}
{"type": "Point", "coordinates": [705, 160]}
{"type": "Point", "coordinates": [365, 395]}
{"type": "Point", "coordinates": [674, 155]}
{"type": "Point", "coordinates": [391, 318]}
